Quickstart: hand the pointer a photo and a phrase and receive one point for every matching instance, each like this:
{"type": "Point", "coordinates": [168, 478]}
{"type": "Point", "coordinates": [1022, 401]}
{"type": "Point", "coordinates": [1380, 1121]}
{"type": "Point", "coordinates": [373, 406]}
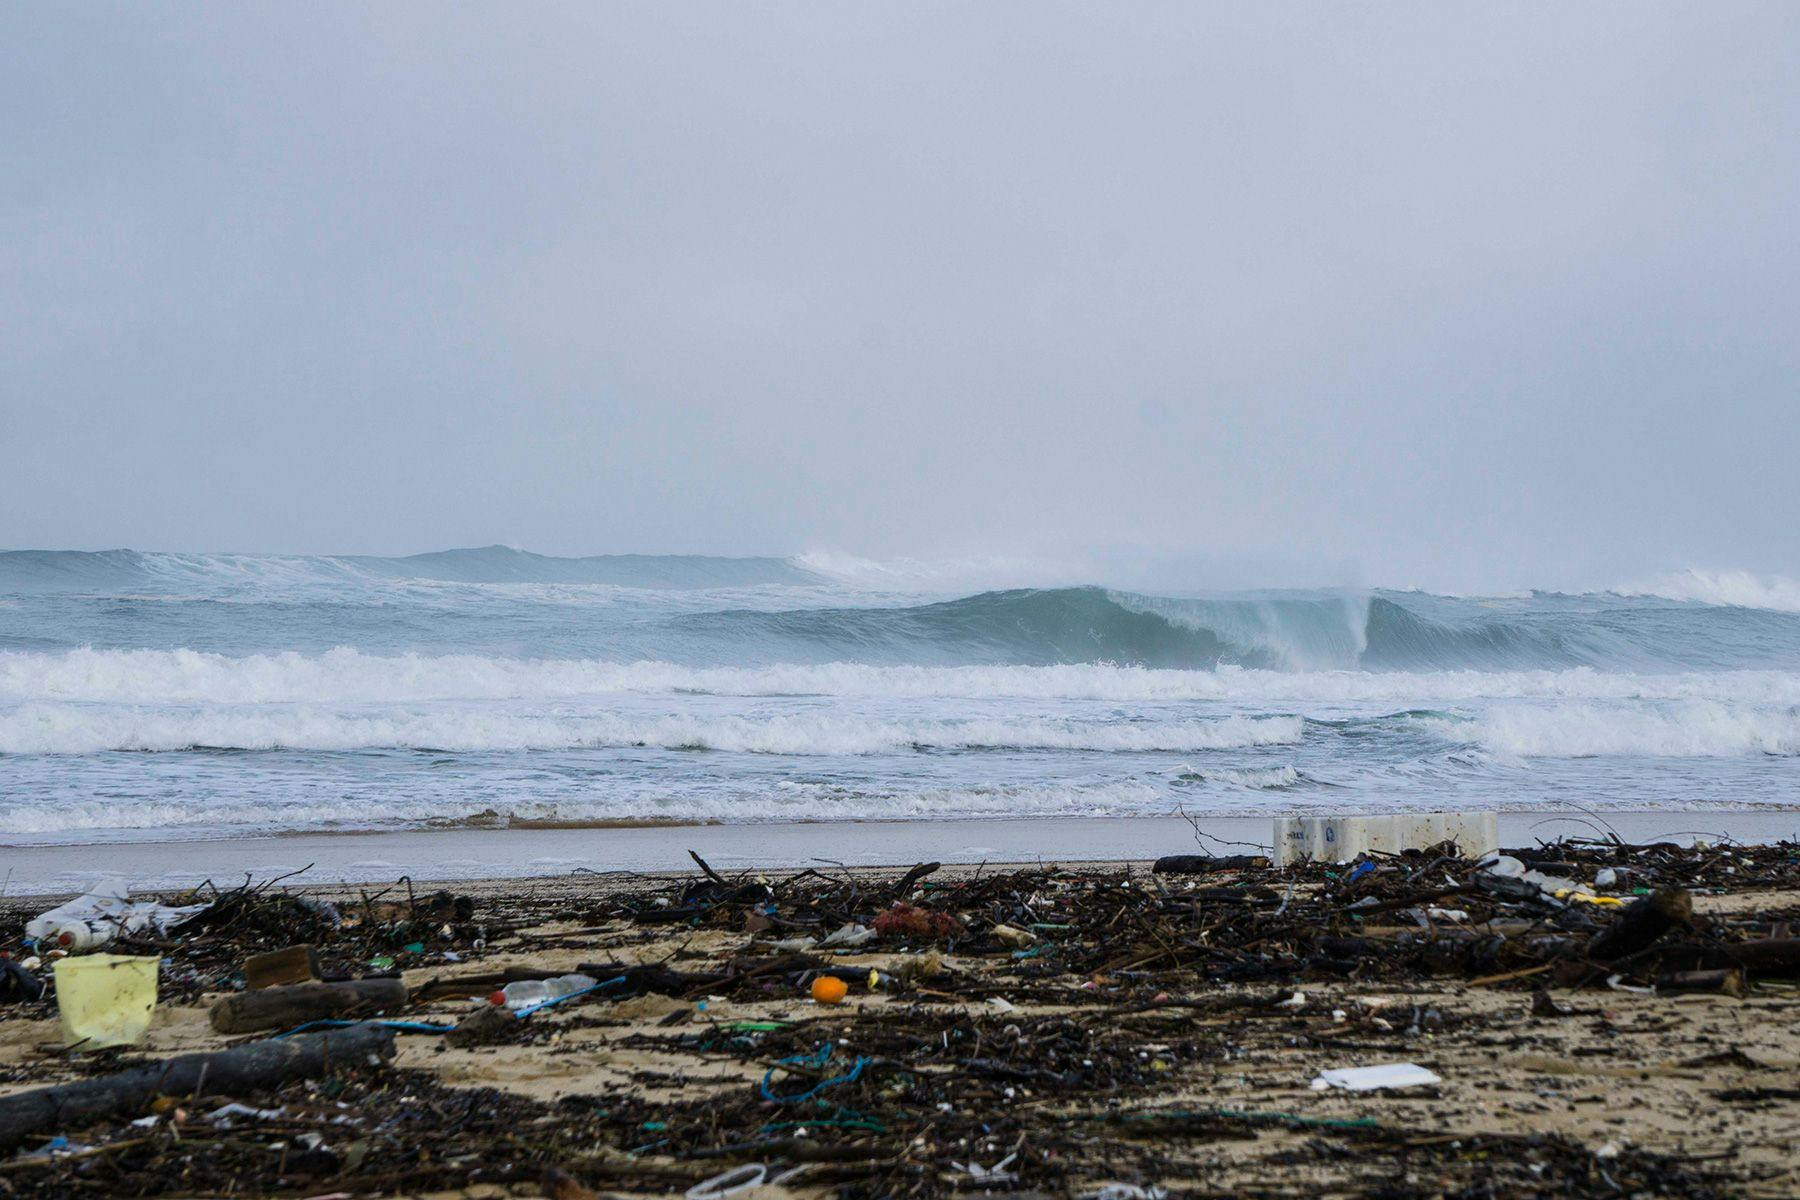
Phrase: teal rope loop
{"type": "Point", "coordinates": [818, 1059]}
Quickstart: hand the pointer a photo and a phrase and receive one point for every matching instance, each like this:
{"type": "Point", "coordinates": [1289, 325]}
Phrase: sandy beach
{"type": "Point", "coordinates": [1059, 1030]}
{"type": "Point", "coordinates": [522, 853]}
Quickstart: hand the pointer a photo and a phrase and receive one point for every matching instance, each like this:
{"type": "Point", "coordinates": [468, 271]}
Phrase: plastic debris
{"type": "Point", "coordinates": [524, 995]}
{"type": "Point", "coordinates": [847, 936]}
{"type": "Point", "coordinates": [994, 1176]}
{"type": "Point", "coordinates": [1369, 1079]}
{"type": "Point", "coordinates": [105, 999]}
{"type": "Point", "coordinates": [1505, 867]}
{"type": "Point", "coordinates": [100, 914]}
{"type": "Point", "coordinates": [730, 1183]}
{"type": "Point", "coordinates": [814, 1061]}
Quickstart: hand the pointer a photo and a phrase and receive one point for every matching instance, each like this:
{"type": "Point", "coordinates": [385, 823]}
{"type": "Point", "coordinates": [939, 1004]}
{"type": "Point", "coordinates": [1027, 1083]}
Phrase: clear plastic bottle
{"type": "Point", "coordinates": [522, 993]}
{"type": "Point", "coordinates": [568, 985]}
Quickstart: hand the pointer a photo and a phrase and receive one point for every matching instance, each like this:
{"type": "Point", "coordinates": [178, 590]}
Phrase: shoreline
{"type": "Point", "coordinates": [466, 854]}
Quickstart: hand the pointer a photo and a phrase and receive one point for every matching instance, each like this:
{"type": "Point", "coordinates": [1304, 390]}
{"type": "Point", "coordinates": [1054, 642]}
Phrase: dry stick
{"type": "Point", "coordinates": [1504, 976]}
{"type": "Point", "coordinates": [710, 873]}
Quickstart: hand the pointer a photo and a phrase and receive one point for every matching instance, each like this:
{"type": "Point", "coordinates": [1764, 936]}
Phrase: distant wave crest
{"type": "Point", "coordinates": [45, 728]}
{"type": "Point", "coordinates": [1736, 589]}
{"type": "Point", "coordinates": [345, 676]}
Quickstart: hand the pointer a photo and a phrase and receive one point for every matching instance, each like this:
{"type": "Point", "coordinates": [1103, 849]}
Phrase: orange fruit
{"type": "Point", "coordinates": [828, 989]}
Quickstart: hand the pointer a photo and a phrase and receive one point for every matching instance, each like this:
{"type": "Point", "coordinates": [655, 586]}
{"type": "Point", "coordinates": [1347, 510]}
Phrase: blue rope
{"type": "Point", "coordinates": [818, 1059]}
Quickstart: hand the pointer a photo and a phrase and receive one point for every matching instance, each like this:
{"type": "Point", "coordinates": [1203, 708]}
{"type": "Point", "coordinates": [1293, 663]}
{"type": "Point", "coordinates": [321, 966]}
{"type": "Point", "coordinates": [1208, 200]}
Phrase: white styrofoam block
{"type": "Point", "coordinates": [1340, 839]}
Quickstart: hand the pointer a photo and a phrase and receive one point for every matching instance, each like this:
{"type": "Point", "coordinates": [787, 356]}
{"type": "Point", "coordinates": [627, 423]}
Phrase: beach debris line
{"type": "Point", "coordinates": [1046, 1029]}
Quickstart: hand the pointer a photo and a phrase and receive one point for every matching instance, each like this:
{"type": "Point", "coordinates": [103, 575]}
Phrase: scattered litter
{"type": "Point", "coordinates": [100, 914]}
{"type": "Point", "coordinates": [1368, 1079]}
{"type": "Point", "coordinates": [223, 1114]}
{"type": "Point", "coordinates": [1099, 989]}
{"type": "Point", "coordinates": [994, 1176]}
{"type": "Point", "coordinates": [848, 936]}
{"type": "Point", "coordinates": [812, 1061]}
{"type": "Point", "coordinates": [730, 1183]}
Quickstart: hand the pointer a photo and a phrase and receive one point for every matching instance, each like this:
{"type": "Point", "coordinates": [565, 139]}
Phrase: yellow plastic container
{"type": "Point", "coordinates": [105, 999]}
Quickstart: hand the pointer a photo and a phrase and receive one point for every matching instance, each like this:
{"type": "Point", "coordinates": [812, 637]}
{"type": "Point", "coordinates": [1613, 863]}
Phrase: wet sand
{"type": "Point", "coordinates": [466, 854]}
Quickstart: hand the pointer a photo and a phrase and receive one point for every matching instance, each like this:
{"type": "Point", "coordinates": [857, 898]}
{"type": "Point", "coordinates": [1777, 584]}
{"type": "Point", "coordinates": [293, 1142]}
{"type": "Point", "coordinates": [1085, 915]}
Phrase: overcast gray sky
{"type": "Point", "coordinates": [1440, 294]}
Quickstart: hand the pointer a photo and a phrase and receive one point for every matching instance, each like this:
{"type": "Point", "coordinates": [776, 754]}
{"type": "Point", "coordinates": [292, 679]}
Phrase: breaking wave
{"type": "Point", "coordinates": [1269, 779]}
{"type": "Point", "coordinates": [42, 728]}
{"type": "Point", "coordinates": [705, 611]}
{"type": "Point", "coordinates": [1736, 589]}
{"type": "Point", "coordinates": [346, 676]}
{"type": "Point", "coordinates": [1691, 730]}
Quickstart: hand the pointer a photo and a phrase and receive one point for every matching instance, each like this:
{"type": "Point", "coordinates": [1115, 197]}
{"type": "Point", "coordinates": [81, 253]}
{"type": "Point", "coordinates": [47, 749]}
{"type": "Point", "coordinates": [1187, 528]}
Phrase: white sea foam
{"type": "Point", "coordinates": [941, 575]}
{"type": "Point", "coordinates": [1738, 589]}
{"type": "Point", "coordinates": [1701, 729]}
{"type": "Point", "coordinates": [244, 814]}
{"type": "Point", "coordinates": [346, 676]}
{"type": "Point", "coordinates": [51, 728]}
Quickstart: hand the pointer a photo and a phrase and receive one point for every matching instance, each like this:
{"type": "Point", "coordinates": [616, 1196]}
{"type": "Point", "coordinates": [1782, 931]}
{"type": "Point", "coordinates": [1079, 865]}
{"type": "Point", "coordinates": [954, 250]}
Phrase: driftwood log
{"type": "Point", "coordinates": [296, 964]}
{"type": "Point", "coordinates": [296, 1004]}
{"type": "Point", "coordinates": [1727, 981]}
{"type": "Point", "coordinates": [242, 1071]}
{"type": "Point", "coordinates": [1770, 958]}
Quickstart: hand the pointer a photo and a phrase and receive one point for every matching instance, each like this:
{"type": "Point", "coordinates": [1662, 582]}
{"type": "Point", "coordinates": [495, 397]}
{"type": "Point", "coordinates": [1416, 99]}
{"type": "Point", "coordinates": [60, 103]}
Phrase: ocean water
{"type": "Point", "coordinates": [157, 695]}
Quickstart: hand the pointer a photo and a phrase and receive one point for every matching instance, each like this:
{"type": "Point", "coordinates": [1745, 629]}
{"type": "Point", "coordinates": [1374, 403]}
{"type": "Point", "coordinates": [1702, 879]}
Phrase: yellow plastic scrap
{"type": "Point", "coordinates": [105, 999]}
{"type": "Point", "coordinates": [1588, 898]}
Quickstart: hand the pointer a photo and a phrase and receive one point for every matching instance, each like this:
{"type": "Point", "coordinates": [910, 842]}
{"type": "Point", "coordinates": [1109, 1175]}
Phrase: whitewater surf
{"type": "Point", "coordinates": [209, 695]}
